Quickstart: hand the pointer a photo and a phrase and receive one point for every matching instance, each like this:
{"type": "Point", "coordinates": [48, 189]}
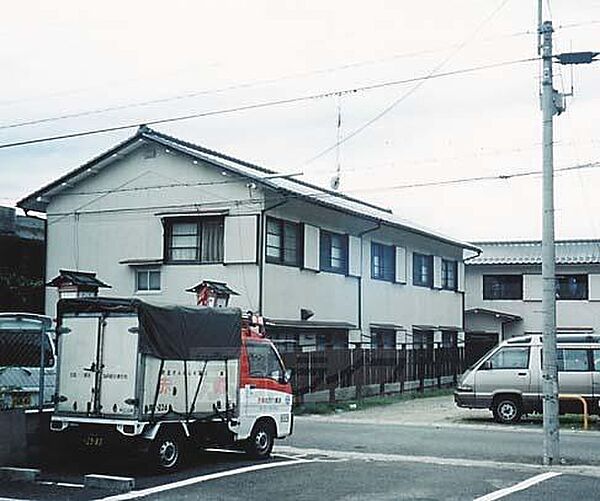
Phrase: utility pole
{"type": "Point", "coordinates": [553, 103]}
{"type": "Point", "coordinates": [550, 372]}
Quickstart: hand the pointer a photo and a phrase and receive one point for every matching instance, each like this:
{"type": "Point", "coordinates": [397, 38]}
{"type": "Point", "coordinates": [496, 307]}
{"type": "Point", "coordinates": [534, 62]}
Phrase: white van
{"type": "Point", "coordinates": [508, 379]}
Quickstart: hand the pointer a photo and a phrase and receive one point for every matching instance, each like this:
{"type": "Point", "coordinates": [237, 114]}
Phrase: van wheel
{"type": "Point", "coordinates": [260, 443]}
{"type": "Point", "coordinates": [166, 451]}
{"type": "Point", "coordinates": [507, 410]}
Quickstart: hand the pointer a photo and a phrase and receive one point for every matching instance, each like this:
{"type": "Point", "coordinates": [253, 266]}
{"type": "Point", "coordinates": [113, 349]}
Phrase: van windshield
{"type": "Point", "coordinates": [21, 348]}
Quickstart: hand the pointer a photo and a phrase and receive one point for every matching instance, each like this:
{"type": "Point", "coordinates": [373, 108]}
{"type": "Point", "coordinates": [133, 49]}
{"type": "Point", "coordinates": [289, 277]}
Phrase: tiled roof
{"type": "Point", "coordinates": [38, 200]}
{"type": "Point", "coordinates": [530, 252]}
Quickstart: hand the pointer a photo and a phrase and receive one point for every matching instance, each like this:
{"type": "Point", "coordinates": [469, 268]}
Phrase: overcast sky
{"type": "Point", "coordinates": [64, 57]}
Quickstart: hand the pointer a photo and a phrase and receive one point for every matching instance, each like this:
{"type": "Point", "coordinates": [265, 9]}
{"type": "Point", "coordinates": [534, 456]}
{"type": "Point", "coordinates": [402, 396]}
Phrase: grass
{"type": "Point", "coordinates": [367, 402]}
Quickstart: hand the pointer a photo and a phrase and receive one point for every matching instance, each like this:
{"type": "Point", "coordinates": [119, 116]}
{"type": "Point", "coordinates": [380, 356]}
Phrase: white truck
{"type": "Point", "coordinates": [161, 379]}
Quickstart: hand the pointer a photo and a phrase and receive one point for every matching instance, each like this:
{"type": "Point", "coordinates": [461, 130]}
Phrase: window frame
{"type": "Point", "coordinates": [285, 226]}
{"type": "Point", "coordinates": [589, 359]}
{"type": "Point", "coordinates": [445, 275]}
{"type": "Point", "coordinates": [485, 290]}
{"type": "Point", "coordinates": [200, 222]}
{"type": "Point", "coordinates": [564, 276]}
{"type": "Point", "coordinates": [147, 270]}
{"type": "Point", "coordinates": [326, 252]}
{"type": "Point", "coordinates": [416, 279]}
{"type": "Point", "coordinates": [390, 268]}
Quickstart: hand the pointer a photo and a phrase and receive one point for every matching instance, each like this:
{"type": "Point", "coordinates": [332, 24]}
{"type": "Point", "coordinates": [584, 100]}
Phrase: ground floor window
{"type": "Point", "coordinates": [422, 339]}
{"type": "Point", "coordinates": [383, 339]}
{"type": "Point", "coordinates": [298, 339]}
{"type": "Point", "coordinates": [449, 339]}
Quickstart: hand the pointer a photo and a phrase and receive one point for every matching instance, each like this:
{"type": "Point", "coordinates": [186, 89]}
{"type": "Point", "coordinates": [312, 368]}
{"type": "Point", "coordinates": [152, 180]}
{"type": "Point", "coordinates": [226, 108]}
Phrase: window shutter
{"type": "Point", "coordinates": [354, 244]}
{"type": "Point", "coordinates": [532, 287]}
{"type": "Point", "coordinates": [401, 265]}
{"type": "Point", "coordinates": [240, 239]}
{"type": "Point", "coordinates": [437, 272]}
{"type": "Point", "coordinates": [460, 276]}
{"type": "Point", "coordinates": [311, 247]}
{"type": "Point", "coordinates": [594, 285]}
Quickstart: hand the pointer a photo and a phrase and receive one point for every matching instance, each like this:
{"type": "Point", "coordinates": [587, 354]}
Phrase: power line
{"type": "Point", "coordinates": [433, 73]}
{"type": "Point", "coordinates": [266, 104]}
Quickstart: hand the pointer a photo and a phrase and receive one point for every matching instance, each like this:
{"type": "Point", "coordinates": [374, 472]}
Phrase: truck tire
{"type": "Point", "coordinates": [166, 451]}
{"type": "Point", "coordinates": [262, 438]}
{"type": "Point", "coordinates": [507, 409]}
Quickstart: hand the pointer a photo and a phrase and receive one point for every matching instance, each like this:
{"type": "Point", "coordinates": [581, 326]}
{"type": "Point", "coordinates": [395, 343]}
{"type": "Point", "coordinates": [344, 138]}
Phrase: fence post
{"type": "Point", "coordinates": [358, 366]}
{"type": "Point", "coordinates": [330, 374]}
{"type": "Point", "coordinates": [42, 366]}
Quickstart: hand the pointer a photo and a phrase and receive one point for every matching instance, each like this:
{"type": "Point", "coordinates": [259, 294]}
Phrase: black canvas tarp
{"type": "Point", "coordinates": [172, 332]}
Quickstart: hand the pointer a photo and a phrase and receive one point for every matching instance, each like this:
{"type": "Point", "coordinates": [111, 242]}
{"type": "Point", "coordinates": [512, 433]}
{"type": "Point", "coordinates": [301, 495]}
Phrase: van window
{"type": "Point", "coordinates": [596, 356]}
{"type": "Point", "coordinates": [508, 358]}
{"type": "Point", "coordinates": [572, 360]}
{"type": "Point", "coordinates": [21, 348]}
{"type": "Point", "coordinates": [263, 361]}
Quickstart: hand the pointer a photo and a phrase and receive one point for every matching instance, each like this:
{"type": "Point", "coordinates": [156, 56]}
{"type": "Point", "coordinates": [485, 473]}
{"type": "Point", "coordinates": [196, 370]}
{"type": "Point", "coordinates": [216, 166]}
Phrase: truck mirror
{"type": "Point", "coordinates": [287, 376]}
{"type": "Point", "coordinates": [487, 365]}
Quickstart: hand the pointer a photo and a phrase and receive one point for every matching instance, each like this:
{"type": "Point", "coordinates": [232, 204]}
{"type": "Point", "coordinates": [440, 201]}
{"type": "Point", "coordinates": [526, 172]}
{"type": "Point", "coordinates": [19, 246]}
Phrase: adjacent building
{"type": "Point", "coordinates": [155, 215]}
{"type": "Point", "coordinates": [504, 291]}
{"type": "Point", "coordinates": [21, 262]}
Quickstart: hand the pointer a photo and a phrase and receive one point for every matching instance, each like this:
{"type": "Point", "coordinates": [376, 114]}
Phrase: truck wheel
{"type": "Point", "coordinates": [260, 443]}
{"type": "Point", "coordinates": [507, 410]}
{"type": "Point", "coordinates": [167, 451]}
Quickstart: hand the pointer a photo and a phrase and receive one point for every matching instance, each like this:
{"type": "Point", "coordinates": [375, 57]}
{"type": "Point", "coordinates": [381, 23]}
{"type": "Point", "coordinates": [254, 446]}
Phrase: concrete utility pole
{"type": "Point", "coordinates": [550, 372]}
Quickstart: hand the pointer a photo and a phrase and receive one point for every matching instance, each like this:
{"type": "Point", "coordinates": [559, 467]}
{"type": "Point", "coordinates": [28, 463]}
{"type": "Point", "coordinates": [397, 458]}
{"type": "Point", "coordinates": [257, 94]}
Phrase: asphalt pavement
{"type": "Point", "coordinates": [328, 459]}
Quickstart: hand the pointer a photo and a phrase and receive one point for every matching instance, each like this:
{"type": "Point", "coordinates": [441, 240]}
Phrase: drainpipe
{"type": "Point", "coordinates": [360, 279]}
{"type": "Point", "coordinates": [261, 252]}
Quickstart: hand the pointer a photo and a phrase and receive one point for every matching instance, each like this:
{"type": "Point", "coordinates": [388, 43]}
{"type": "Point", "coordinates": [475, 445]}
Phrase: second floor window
{"type": "Point", "coordinates": [572, 287]}
{"type": "Point", "coordinates": [194, 240]}
{"type": "Point", "coordinates": [422, 270]}
{"type": "Point", "coordinates": [502, 286]}
{"type": "Point", "coordinates": [283, 242]}
{"type": "Point", "coordinates": [334, 252]}
{"type": "Point", "coordinates": [449, 274]}
{"type": "Point", "coordinates": [383, 262]}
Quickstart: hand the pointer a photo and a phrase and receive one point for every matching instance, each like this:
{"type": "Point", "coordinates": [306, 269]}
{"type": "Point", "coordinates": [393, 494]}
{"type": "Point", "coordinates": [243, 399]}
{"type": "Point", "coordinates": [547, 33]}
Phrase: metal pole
{"type": "Point", "coordinates": [550, 374]}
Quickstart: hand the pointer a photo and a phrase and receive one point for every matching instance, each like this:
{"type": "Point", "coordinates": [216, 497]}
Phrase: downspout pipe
{"type": "Point", "coordinates": [360, 279]}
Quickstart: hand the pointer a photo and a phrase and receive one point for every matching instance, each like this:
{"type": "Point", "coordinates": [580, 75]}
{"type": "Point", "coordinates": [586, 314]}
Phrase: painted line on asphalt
{"type": "Point", "coordinates": [521, 486]}
{"type": "Point", "coordinates": [200, 479]}
{"type": "Point", "coordinates": [60, 484]}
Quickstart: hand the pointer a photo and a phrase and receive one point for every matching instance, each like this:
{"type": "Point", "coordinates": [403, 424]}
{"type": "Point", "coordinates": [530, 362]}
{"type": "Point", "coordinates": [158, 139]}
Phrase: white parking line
{"type": "Point", "coordinates": [521, 486]}
{"type": "Point", "coordinates": [202, 478]}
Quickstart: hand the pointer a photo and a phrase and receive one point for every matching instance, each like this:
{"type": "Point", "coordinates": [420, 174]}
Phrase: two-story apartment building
{"type": "Point", "coordinates": [155, 215]}
{"type": "Point", "coordinates": [504, 291]}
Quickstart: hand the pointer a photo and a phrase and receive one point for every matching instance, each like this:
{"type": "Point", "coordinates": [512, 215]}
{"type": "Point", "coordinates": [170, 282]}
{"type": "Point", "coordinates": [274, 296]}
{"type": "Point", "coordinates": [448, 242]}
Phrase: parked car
{"type": "Point", "coordinates": [25, 366]}
{"type": "Point", "coordinates": [508, 379]}
{"type": "Point", "coordinates": [160, 380]}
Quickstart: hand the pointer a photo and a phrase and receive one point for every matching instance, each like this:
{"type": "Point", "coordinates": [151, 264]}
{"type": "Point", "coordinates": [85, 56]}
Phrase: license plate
{"type": "Point", "coordinates": [21, 400]}
{"type": "Point", "coordinates": [93, 441]}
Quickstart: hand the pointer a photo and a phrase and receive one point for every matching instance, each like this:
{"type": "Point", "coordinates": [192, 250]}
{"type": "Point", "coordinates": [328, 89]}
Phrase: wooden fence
{"type": "Point", "coordinates": [339, 374]}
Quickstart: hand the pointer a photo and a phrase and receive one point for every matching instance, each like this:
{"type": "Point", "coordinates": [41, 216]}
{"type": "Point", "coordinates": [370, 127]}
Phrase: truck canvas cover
{"type": "Point", "coordinates": [171, 332]}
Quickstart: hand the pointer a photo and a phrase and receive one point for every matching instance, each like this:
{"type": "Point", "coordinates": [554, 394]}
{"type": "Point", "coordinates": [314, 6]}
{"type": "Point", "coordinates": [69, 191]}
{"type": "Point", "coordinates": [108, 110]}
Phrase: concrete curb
{"type": "Point", "coordinates": [108, 482]}
{"type": "Point", "coordinates": [19, 474]}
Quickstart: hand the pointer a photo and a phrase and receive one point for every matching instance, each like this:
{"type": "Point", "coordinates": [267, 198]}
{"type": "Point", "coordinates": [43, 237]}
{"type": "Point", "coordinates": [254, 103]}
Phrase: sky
{"type": "Point", "coordinates": [67, 58]}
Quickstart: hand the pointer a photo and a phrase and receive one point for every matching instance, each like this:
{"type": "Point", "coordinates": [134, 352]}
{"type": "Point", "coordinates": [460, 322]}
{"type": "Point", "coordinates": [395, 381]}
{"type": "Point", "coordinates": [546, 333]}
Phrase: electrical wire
{"type": "Point", "coordinates": [433, 73]}
{"type": "Point", "coordinates": [266, 104]}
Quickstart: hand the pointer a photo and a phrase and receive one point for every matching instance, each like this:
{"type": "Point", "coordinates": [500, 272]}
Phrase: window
{"type": "Point", "coordinates": [194, 240]}
{"type": "Point", "coordinates": [596, 357]}
{"type": "Point", "coordinates": [383, 262]}
{"type": "Point", "coordinates": [449, 274]}
{"type": "Point", "coordinates": [147, 280]}
{"type": "Point", "coordinates": [449, 339]}
{"type": "Point", "coordinates": [508, 358]}
{"type": "Point", "coordinates": [263, 361]}
{"type": "Point", "coordinates": [331, 339]}
{"type": "Point", "coordinates": [334, 252]}
{"type": "Point", "coordinates": [383, 339]}
{"type": "Point", "coordinates": [423, 339]}
{"type": "Point", "coordinates": [422, 270]}
{"type": "Point", "coordinates": [502, 286]}
{"type": "Point", "coordinates": [572, 360]}
{"type": "Point", "coordinates": [283, 242]}
{"type": "Point", "coordinates": [572, 287]}
{"type": "Point", "coordinates": [20, 347]}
